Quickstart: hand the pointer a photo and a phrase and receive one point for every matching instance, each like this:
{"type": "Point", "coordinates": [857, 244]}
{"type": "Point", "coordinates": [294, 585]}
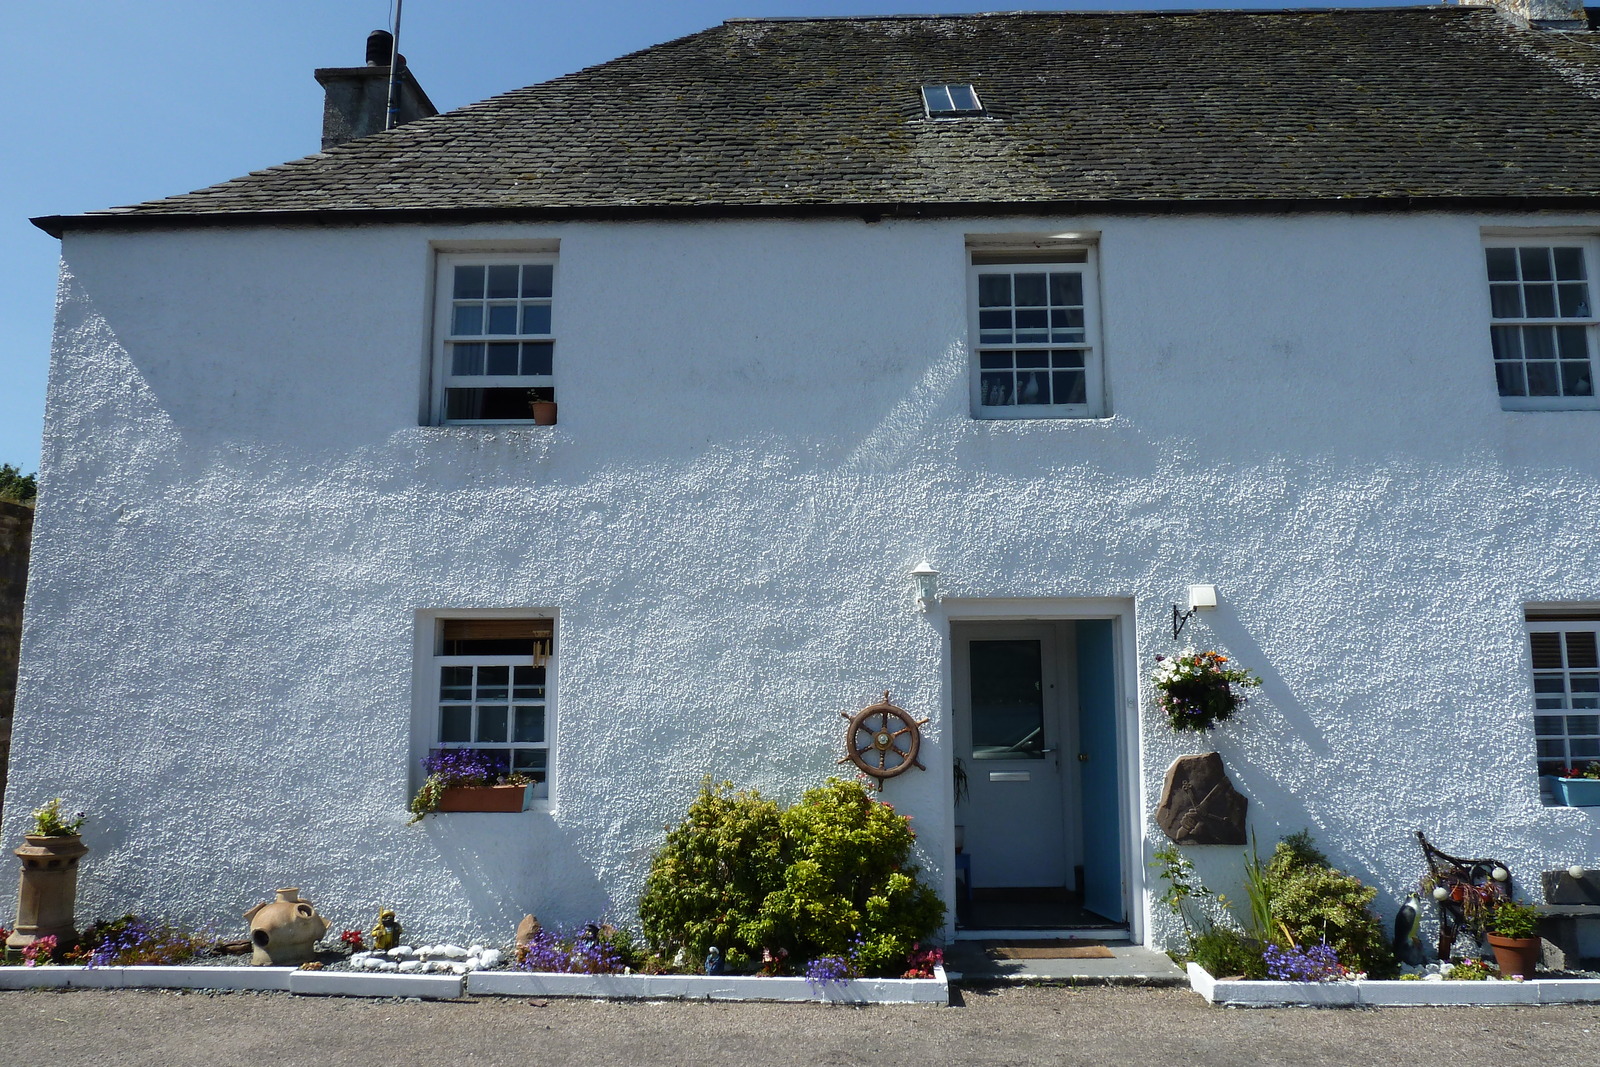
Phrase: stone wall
{"type": "Point", "coordinates": [16, 530]}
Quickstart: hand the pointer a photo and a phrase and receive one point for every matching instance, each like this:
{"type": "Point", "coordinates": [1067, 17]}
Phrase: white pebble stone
{"type": "Point", "coordinates": [411, 966]}
{"type": "Point", "coordinates": [454, 952]}
{"type": "Point", "coordinates": [356, 956]}
{"type": "Point", "coordinates": [458, 968]}
{"type": "Point", "coordinates": [491, 957]}
{"type": "Point", "coordinates": [474, 950]}
{"type": "Point", "coordinates": [388, 966]}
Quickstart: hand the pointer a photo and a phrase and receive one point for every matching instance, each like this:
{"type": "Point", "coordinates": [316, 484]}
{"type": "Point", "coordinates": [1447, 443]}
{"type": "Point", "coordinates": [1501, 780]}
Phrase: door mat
{"type": "Point", "coordinates": [1050, 950]}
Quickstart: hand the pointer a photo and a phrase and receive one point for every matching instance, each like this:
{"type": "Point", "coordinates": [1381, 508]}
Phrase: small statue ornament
{"type": "Point", "coordinates": [714, 960]}
{"type": "Point", "coordinates": [385, 935]}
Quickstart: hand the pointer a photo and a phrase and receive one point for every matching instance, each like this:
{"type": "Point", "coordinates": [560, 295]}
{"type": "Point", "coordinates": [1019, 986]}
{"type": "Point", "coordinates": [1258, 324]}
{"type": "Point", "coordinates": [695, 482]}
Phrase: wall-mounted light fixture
{"type": "Point", "coordinates": [1201, 598]}
{"type": "Point", "coordinates": [927, 580]}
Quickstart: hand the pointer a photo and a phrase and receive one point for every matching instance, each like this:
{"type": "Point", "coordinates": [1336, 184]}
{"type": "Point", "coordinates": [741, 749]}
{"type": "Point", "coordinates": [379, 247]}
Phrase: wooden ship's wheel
{"type": "Point", "coordinates": [883, 740]}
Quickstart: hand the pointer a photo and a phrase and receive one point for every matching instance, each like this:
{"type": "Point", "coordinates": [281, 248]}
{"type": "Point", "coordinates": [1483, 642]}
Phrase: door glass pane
{"type": "Point", "coordinates": [1007, 700]}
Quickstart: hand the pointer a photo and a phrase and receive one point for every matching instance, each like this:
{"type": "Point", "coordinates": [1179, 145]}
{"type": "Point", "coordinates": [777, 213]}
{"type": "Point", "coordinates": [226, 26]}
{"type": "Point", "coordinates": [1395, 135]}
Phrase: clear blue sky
{"type": "Point", "coordinates": [111, 102]}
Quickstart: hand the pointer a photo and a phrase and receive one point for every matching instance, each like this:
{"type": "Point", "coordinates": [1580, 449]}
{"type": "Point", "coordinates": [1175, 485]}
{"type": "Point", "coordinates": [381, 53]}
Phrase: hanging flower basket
{"type": "Point", "coordinates": [1197, 690]}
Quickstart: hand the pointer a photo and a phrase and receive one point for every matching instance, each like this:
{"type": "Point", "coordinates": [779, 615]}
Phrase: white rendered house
{"type": "Point", "coordinates": [1080, 309]}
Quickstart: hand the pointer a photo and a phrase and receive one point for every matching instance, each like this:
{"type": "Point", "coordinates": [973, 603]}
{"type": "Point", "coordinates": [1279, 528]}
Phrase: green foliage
{"type": "Point", "coordinates": [1258, 891]}
{"type": "Point", "coordinates": [1514, 918]}
{"type": "Point", "coordinates": [816, 879]}
{"type": "Point", "coordinates": [1467, 971]}
{"type": "Point", "coordinates": [1313, 902]}
{"type": "Point", "coordinates": [17, 487]}
{"type": "Point", "coordinates": [1226, 952]}
{"type": "Point", "coordinates": [49, 822]}
{"type": "Point", "coordinates": [1184, 891]}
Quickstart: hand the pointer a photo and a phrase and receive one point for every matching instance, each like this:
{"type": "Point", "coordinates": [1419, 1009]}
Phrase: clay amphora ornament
{"type": "Point", "coordinates": [284, 932]}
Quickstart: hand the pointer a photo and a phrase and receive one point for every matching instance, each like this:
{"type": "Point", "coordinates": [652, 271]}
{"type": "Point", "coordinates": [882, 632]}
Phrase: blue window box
{"type": "Point", "coordinates": [1580, 792]}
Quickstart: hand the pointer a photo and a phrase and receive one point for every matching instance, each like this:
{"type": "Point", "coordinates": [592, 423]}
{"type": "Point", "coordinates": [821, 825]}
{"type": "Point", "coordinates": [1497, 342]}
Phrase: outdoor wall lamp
{"type": "Point", "coordinates": [927, 580]}
{"type": "Point", "coordinates": [1201, 598]}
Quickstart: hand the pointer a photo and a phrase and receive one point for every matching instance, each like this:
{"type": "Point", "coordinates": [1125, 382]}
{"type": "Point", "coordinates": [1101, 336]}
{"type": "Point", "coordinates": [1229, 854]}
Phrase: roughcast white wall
{"type": "Point", "coordinates": [763, 426]}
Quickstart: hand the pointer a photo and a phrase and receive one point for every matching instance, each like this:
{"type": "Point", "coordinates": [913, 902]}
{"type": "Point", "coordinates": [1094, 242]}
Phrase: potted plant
{"type": "Point", "coordinates": [1197, 690]}
{"type": "Point", "coordinates": [542, 402]}
{"type": "Point", "coordinates": [1513, 929]}
{"type": "Point", "coordinates": [48, 891]}
{"type": "Point", "coordinates": [469, 779]}
{"type": "Point", "coordinates": [1580, 787]}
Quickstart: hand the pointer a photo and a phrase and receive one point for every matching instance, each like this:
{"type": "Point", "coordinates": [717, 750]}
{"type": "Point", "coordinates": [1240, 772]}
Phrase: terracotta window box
{"type": "Point", "coordinates": [486, 798]}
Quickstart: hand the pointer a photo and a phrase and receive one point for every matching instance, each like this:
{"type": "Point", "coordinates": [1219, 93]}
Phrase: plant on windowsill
{"type": "Point", "coordinates": [1580, 786]}
{"type": "Point", "coordinates": [1513, 929]}
{"type": "Point", "coordinates": [542, 403]}
{"type": "Point", "coordinates": [1197, 690]}
{"type": "Point", "coordinates": [468, 779]}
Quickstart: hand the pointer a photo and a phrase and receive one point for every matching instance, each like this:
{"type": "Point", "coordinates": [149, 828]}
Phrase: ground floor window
{"type": "Point", "coordinates": [490, 683]}
{"type": "Point", "coordinates": [1566, 688]}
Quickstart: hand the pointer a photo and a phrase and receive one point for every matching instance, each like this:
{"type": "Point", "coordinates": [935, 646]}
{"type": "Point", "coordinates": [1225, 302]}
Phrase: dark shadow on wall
{"type": "Point", "coordinates": [16, 534]}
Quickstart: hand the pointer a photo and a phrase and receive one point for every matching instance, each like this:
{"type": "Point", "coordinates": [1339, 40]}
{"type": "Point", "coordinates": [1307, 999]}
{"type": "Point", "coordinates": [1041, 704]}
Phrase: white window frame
{"type": "Point", "coordinates": [1571, 701]}
{"type": "Point", "coordinates": [443, 320]}
{"type": "Point", "coordinates": [982, 260]}
{"type": "Point", "coordinates": [1590, 323]}
{"type": "Point", "coordinates": [426, 702]}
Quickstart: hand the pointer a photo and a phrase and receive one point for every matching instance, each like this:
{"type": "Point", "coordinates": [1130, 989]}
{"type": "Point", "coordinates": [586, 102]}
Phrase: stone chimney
{"type": "Point", "coordinates": [1542, 14]}
{"type": "Point", "coordinates": [357, 100]}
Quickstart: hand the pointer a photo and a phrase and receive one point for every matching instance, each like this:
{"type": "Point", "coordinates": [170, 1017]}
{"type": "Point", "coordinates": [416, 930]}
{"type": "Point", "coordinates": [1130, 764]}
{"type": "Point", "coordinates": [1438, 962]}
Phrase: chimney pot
{"type": "Point", "coordinates": [380, 44]}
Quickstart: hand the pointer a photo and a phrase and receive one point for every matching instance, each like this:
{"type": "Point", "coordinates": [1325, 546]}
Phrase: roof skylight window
{"type": "Point", "coordinates": [951, 101]}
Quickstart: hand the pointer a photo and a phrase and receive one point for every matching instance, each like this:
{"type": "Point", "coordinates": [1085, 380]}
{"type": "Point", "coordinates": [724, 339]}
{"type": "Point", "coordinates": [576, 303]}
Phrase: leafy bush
{"type": "Point", "coordinates": [1514, 919]}
{"type": "Point", "coordinates": [829, 876]}
{"type": "Point", "coordinates": [1225, 952]}
{"type": "Point", "coordinates": [1313, 902]}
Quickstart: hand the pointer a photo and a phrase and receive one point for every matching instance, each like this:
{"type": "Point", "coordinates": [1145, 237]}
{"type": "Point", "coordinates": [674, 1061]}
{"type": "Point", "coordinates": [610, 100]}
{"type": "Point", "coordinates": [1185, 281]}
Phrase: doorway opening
{"type": "Point", "coordinates": [1038, 804]}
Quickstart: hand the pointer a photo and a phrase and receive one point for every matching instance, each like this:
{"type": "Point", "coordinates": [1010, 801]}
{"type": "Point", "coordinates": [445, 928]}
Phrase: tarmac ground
{"type": "Point", "coordinates": [1097, 1025]}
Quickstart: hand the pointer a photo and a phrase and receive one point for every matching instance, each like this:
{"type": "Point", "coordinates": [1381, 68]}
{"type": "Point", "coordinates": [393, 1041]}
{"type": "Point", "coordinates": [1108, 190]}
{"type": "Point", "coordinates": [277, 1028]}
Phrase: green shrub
{"type": "Point", "coordinates": [828, 876]}
{"type": "Point", "coordinates": [707, 882]}
{"type": "Point", "coordinates": [1313, 902]}
{"type": "Point", "coordinates": [1226, 952]}
{"type": "Point", "coordinates": [1515, 919]}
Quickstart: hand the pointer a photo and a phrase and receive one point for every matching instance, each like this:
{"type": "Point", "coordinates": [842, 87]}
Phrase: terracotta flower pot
{"type": "Point", "coordinates": [485, 798]}
{"type": "Point", "coordinates": [1516, 955]}
{"type": "Point", "coordinates": [48, 891]}
{"type": "Point", "coordinates": [544, 412]}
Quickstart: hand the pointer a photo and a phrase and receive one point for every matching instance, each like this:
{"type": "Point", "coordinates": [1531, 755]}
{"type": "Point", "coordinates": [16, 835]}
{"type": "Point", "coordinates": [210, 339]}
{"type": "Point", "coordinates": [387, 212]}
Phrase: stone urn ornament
{"type": "Point", "coordinates": [284, 932]}
{"type": "Point", "coordinates": [48, 890]}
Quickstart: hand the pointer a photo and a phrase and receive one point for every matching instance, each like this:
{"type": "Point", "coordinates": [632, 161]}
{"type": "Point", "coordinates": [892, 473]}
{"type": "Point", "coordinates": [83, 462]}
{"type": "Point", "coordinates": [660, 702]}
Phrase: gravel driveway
{"type": "Point", "coordinates": [1100, 1026]}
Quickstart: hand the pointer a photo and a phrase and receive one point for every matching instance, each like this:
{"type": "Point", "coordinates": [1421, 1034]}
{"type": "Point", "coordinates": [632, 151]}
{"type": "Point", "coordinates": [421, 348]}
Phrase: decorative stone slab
{"type": "Point", "coordinates": [934, 990]}
{"type": "Point", "coordinates": [1391, 994]}
{"type": "Point", "coordinates": [60, 978]}
{"type": "Point", "coordinates": [366, 984]}
{"type": "Point", "coordinates": [1199, 805]}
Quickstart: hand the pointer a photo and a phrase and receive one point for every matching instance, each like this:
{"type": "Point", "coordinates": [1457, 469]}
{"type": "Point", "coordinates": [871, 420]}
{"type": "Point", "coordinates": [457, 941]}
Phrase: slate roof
{"type": "Point", "coordinates": [1206, 110]}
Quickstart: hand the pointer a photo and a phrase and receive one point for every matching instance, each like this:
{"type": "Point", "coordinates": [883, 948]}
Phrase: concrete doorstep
{"type": "Point", "coordinates": [973, 963]}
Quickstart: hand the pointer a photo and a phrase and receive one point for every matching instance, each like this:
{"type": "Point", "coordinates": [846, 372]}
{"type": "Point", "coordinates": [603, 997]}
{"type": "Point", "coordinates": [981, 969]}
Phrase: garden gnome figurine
{"type": "Point", "coordinates": [714, 960]}
{"type": "Point", "coordinates": [385, 935]}
{"type": "Point", "coordinates": [284, 931]}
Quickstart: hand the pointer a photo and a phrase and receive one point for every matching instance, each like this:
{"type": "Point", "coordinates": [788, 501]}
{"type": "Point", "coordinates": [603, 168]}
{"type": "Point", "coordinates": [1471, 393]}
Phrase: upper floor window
{"type": "Point", "coordinates": [494, 345]}
{"type": "Point", "coordinates": [1543, 321]}
{"type": "Point", "coordinates": [1034, 332]}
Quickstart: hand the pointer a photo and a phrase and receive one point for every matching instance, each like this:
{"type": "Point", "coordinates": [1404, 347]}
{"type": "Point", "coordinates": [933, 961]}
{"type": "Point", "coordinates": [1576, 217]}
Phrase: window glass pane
{"type": "Point", "coordinates": [1067, 358]}
{"type": "Point", "coordinates": [1502, 264]}
{"type": "Point", "coordinates": [1557, 749]}
{"type": "Point", "coordinates": [1549, 725]}
{"type": "Point", "coordinates": [1575, 379]}
{"type": "Point", "coordinates": [532, 761]}
{"type": "Point", "coordinates": [537, 357]}
{"type": "Point", "coordinates": [536, 318]}
{"type": "Point", "coordinates": [995, 389]}
{"type": "Point", "coordinates": [468, 320]}
{"type": "Point", "coordinates": [1033, 359]}
{"type": "Point", "coordinates": [455, 723]}
{"type": "Point", "coordinates": [1583, 748]}
{"type": "Point", "coordinates": [502, 318]}
{"type": "Point", "coordinates": [994, 360]}
{"type": "Point", "coordinates": [528, 683]}
{"type": "Point", "coordinates": [492, 724]}
{"type": "Point", "coordinates": [466, 359]}
{"type": "Point", "coordinates": [492, 682]}
{"type": "Point", "coordinates": [1574, 301]}
{"type": "Point", "coordinates": [1066, 288]}
{"type": "Point", "coordinates": [963, 98]}
{"type": "Point", "coordinates": [530, 725]}
{"type": "Point", "coordinates": [1030, 290]}
{"type": "Point", "coordinates": [1569, 263]}
{"type": "Point", "coordinates": [1535, 264]}
{"type": "Point", "coordinates": [1538, 342]}
{"type": "Point", "coordinates": [1543, 380]}
{"type": "Point", "coordinates": [1581, 650]}
{"type": "Point", "coordinates": [1007, 700]}
{"type": "Point", "coordinates": [1540, 301]}
{"type": "Point", "coordinates": [537, 279]}
{"type": "Point", "coordinates": [503, 281]}
{"type": "Point", "coordinates": [502, 359]}
{"type": "Point", "coordinates": [489, 405]}
{"type": "Point", "coordinates": [994, 290]}
{"type": "Point", "coordinates": [1505, 301]}
{"type": "Point", "coordinates": [1509, 377]}
{"type": "Point", "coordinates": [936, 98]}
{"type": "Point", "coordinates": [1069, 387]}
{"type": "Point", "coordinates": [468, 283]}
{"type": "Point", "coordinates": [1546, 651]}
{"type": "Point", "coordinates": [455, 683]}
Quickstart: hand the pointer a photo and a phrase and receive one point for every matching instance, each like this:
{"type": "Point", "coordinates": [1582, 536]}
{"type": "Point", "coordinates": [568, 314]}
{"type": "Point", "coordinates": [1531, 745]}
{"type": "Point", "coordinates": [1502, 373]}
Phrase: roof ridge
{"type": "Point", "coordinates": [1140, 13]}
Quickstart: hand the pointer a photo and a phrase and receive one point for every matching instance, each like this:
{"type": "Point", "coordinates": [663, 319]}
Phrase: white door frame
{"type": "Point", "coordinates": [1130, 815]}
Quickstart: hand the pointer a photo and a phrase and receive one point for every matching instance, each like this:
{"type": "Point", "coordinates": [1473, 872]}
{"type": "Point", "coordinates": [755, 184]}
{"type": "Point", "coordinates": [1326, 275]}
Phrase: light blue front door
{"type": "Point", "coordinates": [1098, 761]}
